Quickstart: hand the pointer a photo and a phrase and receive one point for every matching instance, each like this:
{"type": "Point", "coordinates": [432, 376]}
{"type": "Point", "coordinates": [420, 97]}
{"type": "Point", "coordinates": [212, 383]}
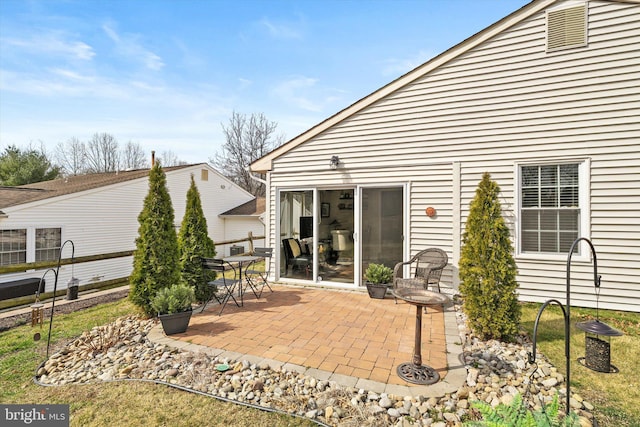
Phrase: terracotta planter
{"type": "Point", "coordinates": [175, 323]}
{"type": "Point", "coordinates": [377, 291]}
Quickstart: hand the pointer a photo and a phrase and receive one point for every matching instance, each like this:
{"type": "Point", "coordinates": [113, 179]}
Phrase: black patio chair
{"type": "Point", "coordinates": [257, 279]}
{"type": "Point", "coordinates": [224, 287]}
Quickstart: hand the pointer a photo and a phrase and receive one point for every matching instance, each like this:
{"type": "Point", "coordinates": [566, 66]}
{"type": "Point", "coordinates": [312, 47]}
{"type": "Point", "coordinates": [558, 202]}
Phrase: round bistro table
{"type": "Point", "coordinates": [415, 372]}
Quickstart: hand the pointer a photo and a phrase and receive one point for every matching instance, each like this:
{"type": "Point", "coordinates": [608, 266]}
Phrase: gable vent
{"type": "Point", "coordinates": [567, 27]}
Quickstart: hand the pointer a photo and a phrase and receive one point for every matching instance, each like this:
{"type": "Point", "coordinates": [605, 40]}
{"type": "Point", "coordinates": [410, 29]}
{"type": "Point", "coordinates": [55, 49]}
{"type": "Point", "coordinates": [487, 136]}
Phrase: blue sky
{"type": "Point", "coordinates": [167, 74]}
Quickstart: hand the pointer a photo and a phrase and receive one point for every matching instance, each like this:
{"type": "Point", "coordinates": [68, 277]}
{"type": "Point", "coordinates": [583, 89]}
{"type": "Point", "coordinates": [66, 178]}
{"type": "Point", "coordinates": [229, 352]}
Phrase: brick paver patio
{"type": "Point", "coordinates": [338, 333]}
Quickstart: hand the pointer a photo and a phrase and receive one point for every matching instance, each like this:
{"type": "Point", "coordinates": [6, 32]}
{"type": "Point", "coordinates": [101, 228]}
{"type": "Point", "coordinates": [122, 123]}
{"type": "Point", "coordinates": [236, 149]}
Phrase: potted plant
{"type": "Point", "coordinates": [173, 305]}
{"type": "Point", "coordinates": [378, 278]}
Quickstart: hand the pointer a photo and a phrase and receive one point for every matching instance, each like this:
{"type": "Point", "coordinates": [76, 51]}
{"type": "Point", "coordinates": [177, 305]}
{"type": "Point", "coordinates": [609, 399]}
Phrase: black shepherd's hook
{"type": "Point", "coordinates": [566, 313]}
{"type": "Point", "coordinates": [55, 286]}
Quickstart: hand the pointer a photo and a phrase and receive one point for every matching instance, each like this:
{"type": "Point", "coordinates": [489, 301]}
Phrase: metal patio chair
{"type": "Point", "coordinates": [429, 264]}
{"type": "Point", "coordinates": [224, 287]}
{"type": "Point", "coordinates": [257, 279]}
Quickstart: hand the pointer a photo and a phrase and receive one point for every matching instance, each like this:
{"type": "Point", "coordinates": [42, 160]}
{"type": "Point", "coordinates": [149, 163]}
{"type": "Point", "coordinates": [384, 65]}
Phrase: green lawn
{"type": "Point", "coordinates": [120, 403]}
{"type": "Point", "coordinates": [614, 395]}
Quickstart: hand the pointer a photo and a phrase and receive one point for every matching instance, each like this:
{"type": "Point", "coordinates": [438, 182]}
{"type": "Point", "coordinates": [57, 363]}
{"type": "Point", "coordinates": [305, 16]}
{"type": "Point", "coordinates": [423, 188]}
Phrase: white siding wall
{"type": "Point", "coordinates": [503, 102]}
{"type": "Point", "coordinates": [105, 220]}
{"type": "Point", "coordinates": [238, 228]}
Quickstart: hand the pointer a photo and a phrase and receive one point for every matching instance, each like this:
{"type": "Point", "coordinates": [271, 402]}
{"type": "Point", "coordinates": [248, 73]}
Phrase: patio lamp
{"type": "Point", "coordinates": [334, 162]}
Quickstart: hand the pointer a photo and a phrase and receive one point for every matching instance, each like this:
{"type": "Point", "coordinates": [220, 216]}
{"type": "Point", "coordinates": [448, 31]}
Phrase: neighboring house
{"type": "Point", "coordinates": [547, 100]}
{"type": "Point", "coordinates": [99, 214]}
{"type": "Point", "coordinates": [239, 221]}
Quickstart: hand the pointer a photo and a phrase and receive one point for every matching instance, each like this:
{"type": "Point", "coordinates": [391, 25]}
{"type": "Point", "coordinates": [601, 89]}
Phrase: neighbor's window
{"type": "Point", "coordinates": [549, 208]}
{"type": "Point", "coordinates": [48, 241]}
{"type": "Point", "coordinates": [13, 246]}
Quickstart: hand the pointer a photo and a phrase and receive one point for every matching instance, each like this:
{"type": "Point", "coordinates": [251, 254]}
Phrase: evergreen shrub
{"type": "Point", "coordinates": [487, 269]}
{"type": "Point", "coordinates": [155, 259]}
{"type": "Point", "coordinates": [194, 243]}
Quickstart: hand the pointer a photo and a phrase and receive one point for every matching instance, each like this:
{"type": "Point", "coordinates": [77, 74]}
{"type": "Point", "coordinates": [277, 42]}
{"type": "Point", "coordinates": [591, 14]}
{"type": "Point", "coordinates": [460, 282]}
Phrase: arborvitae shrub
{"type": "Point", "coordinates": [487, 268]}
{"type": "Point", "coordinates": [155, 259]}
{"type": "Point", "coordinates": [194, 243]}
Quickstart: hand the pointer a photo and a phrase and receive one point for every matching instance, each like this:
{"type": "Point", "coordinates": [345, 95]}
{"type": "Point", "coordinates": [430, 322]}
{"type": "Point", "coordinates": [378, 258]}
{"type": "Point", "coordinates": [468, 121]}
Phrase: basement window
{"type": "Point", "coordinates": [567, 27]}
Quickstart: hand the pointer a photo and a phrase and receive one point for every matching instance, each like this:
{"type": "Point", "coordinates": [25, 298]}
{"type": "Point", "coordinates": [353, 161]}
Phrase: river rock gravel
{"type": "Point", "coordinates": [496, 372]}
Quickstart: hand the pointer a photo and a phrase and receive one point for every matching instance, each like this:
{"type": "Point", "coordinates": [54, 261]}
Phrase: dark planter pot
{"type": "Point", "coordinates": [175, 323]}
{"type": "Point", "coordinates": [377, 291]}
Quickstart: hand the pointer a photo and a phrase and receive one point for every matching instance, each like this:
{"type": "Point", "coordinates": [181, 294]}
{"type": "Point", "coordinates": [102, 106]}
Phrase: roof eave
{"type": "Point", "coordinates": [265, 163]}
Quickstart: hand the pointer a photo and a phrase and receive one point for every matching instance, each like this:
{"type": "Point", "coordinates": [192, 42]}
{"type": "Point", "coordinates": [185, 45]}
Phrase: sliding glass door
{"type": "Point", "coordinates": [335, 244]}
{"type": "Point", "coordinates": [382, 226]}
{"type": "Point", "coordinates": [319, 231]}
{"type": "Point", "coordinates": [296, 230]}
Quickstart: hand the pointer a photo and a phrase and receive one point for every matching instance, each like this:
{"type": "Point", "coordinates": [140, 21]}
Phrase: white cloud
{"type": "Point", "coordinates": [244, 83]}
{"type": "Point", "coordinates": [304, 92]}
{"type": "Point", "coordinates": [294, 92]}
{"type": "Point", "coordinates": [280, 31]}
{"type": "Point", "coordinates": [398, 67]}
{"type": "Point", "coordinates": [129, 46]}
{"type": "Point", "coordinates": [72, 75]}
{"type": "Point", "coordinates": [53, 43]}
{"type": "Point", "coordinates": [61, 83]}
{"type": "Point", "coordinates": [146, 86]}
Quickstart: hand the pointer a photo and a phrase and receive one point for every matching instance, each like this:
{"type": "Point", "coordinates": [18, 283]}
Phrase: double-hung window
{"type": "Point", "coordinates": [23, 245]}
{"type": "Point", "coordinates": [13, 246]}
{"type": "Point", "coordinates": [48, 241]}
{"type": "Point", "coordinates": [551, 212]}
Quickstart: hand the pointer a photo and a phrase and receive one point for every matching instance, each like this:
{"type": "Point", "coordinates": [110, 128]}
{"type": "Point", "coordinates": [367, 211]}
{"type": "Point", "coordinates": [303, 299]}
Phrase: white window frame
{"type": "Point", "coordinates": [26, 243]}
{"type": "Point", "coordinates": [31, 237]}
{"type": "Point", "coordinates": [57, 248]}
{"type": "Point", "coordinates": [584, 191]}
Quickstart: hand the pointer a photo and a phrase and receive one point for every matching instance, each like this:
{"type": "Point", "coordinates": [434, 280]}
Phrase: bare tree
{"type": "Point", "coordinates": [133, 157]}
{"type": "Point", "coordinates": [71, 156]}
{"type": "Point", "coordinates": [169, 158]}
{"type": "Point", "coordinates": [102, 153]}
{"type": "Point", "coordinates": [247, 139]}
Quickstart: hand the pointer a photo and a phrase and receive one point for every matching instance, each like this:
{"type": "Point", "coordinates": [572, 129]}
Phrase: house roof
{"type": "Point", "coordinates": [265, 163]}
{"type": "Point", "coordinates": [11, 196]}
{"type": "Point", "coordinates": [255, 207]}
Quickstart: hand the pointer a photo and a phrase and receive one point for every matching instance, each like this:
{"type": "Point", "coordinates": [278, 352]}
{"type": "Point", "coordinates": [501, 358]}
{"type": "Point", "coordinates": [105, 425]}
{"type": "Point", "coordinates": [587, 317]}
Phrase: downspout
{"type": "Point", "coordinates": [255, 178]}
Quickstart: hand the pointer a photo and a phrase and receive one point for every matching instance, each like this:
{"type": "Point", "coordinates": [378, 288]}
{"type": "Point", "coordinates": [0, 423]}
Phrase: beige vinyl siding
{"type": "Point", "coordinates": [504, 102]}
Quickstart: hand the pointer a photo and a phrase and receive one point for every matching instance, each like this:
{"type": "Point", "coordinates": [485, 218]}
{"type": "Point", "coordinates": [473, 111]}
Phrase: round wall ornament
{"type": "Point", "coordinates": [431, 212]}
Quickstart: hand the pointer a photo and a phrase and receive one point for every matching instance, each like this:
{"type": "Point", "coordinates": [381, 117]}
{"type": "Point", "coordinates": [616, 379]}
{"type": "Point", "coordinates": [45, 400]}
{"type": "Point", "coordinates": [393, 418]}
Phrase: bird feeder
{"type": "Point", "coordinates": [597, 340]}
{"type": "Point", "coordinates": [598, 345]}
{"type": "Point", "coordinates": [72, 288]}
{"type": "Point", "coordinates": [37, 312]}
